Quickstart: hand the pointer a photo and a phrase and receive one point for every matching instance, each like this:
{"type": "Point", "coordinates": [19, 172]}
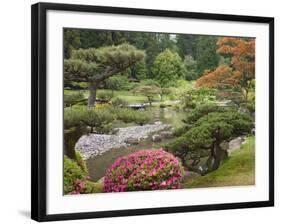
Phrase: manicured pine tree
{"type": "Point", "coordinates": [206, 128]}
{"type": "Point", "coordinates": [95, 65]}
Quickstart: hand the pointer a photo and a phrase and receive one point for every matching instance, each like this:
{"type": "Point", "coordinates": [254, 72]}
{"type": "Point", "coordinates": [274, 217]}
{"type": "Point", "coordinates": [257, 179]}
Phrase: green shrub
{"type": "Point", "coordinates": [71, 99]}
{"type": "Point", "coordinates": [162, 105]}
{"type": "Point", "coordinates": [251, 105]}
{"type": "Point", "coordinates": [72, 118]}
{"type": "Point", "coordinates": [93, 187]}
{"type": "Point", "coordinates": [75, 85]}
{"type": "Point", "coordinates": [81, 162]}
{"type": "Point", "coordinates": [124, 114]}
{"type": "Point", "coordinates": [75, 179]}
{"type": "Point", "coordinates": [142, 118]}
{"type": "Point", "coordinates": [99, 120]}
{"type": "Point", "coordinates": [71, 172]}
{"type": "Point", "coordinates": [172, 97]}
{"type": "Point", "coordinates": [119, 82]}
{"type": "Point", "coordinates": [180, 131]}
{"type": "Point", "coordinates": [105, 97]}
{"type": "Point", "coordinates": [118, 102]}
{"type": "Point", "coordinates": [178, 147]}
{"type": "Point", "coordinates": [128, 115]}
{"type": "Point", "coordinates": [194, 97]}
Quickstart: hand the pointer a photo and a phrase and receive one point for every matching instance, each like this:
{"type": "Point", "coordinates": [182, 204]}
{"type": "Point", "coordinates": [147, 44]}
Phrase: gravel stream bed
{"type": "Point", "coordinates": [95, 144]}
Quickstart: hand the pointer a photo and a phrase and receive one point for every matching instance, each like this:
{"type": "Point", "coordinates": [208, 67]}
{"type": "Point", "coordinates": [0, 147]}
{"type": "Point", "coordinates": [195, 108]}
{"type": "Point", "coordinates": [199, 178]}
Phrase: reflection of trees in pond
{"type": "Point", "coordinates": [169, 116]}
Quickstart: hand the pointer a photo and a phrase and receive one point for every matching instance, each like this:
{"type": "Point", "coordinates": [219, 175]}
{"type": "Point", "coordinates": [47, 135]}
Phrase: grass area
{"type": "Point", "coordinates": [129, 96]}
{"type": "Point", "coordinates": [237, 170]}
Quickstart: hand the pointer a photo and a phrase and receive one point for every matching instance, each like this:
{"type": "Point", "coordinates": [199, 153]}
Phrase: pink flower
{"type": "Point", "coordinates": [145, 169]}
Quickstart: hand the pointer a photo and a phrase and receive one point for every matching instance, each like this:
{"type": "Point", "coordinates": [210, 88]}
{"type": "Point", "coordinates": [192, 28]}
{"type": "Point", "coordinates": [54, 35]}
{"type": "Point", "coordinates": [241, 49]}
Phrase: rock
{"type": "Point", "coordinates": [132, 141]}
{"type": "Point", "coordinates": [144, 138]}
{"type": "Point", "coordinates": [235, 144]}
{"type": "Point", "coordinates": [156, 138]}
{"type": "Point", "coordinates": [166, 134]}
{"type": "Point", "coordinates": [157, 122]}
{"type": "Point", "coordinates": [253, 131]}
{"type": "Point", "coordinates": [204, 168]}
{"type": "Point", "coordinates": [189, 175]}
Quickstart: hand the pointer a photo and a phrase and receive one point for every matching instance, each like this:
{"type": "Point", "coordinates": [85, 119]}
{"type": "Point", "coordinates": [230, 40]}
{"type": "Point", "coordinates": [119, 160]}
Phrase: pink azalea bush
{"type": "Point", "coordinates": [144, 170]}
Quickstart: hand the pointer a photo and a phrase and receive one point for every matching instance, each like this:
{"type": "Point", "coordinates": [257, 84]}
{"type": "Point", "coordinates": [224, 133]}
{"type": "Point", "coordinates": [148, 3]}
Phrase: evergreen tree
{"type": "Point", "coordinates": [206, 55]}
{"type": "Point", "coordinates": [96, 65]}
{"type": "Point", "coordinates": [207, 127]}
{"type": "Point", "coordinates": [167, 68]}
{"type": "Point", "coordinates": [71, 38]}
{"type": "Point", "coordinates": [190, 67]}
{"type": "Point", "coordinates": [186, 44]}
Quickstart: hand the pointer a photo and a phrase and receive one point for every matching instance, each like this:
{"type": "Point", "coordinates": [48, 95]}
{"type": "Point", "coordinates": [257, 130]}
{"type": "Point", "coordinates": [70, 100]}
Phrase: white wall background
{"type": "Point", "coordinates": [15, 110]}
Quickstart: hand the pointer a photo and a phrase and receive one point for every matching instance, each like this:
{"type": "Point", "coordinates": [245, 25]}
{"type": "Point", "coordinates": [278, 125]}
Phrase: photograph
{"type": "Point", "coordinates": [150, 111]}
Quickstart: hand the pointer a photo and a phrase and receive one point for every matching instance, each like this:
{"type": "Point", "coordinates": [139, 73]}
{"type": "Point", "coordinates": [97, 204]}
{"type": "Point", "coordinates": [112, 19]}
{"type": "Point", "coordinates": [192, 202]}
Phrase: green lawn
{"type": "Point", "coordinates": [129, 96]}
{"type": "Point", "coordinates": [237, 170]}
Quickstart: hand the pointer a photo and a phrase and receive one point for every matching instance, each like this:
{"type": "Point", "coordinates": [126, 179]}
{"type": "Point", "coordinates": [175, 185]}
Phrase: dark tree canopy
{"type": "Point", "coordinates": [72, 41]}
{"type": "Point", "coordinates": [186, 44]}
{"type": "Point", "coordinates": [202, 49]}
{"type": "Point", "coordinates": [206, 55]}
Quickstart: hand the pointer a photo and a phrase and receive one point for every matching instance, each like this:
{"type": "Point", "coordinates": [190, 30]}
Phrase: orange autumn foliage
{"type": "Point", "coordinates": [241, 70]}
{"type": "Point", "coordinates": [220, 77]}
{"type": "Point", "coordinates": [242, 52]}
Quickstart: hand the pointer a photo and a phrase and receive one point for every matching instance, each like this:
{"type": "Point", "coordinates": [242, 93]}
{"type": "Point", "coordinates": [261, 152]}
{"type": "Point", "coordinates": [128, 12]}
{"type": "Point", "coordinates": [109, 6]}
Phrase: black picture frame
{"type": "Point", "coordinates": [38, 116]}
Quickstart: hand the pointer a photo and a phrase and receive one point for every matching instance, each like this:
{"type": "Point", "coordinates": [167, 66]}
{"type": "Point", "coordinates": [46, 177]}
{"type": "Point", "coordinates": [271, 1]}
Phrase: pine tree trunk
{"type": "Point", "coordinates": [183, 161]}
{"type": "Point", "coordinates": [216, 149]}
{"type": "Point", "coordinates": [217, 159]}
{"type": "Point", "coordinates": [93, 95]}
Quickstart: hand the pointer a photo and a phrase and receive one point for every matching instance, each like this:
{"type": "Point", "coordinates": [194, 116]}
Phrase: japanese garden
{"type": "Point", "coordinates": [157, 111]}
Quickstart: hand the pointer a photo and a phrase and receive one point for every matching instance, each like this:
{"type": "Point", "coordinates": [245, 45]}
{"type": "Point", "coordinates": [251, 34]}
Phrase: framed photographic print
{"type": "Point", "coordinates": [139, 111]}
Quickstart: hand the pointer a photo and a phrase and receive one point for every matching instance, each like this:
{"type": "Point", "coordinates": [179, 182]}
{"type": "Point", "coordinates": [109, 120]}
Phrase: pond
{"type": "Point", "coordinates": [98, 165]}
